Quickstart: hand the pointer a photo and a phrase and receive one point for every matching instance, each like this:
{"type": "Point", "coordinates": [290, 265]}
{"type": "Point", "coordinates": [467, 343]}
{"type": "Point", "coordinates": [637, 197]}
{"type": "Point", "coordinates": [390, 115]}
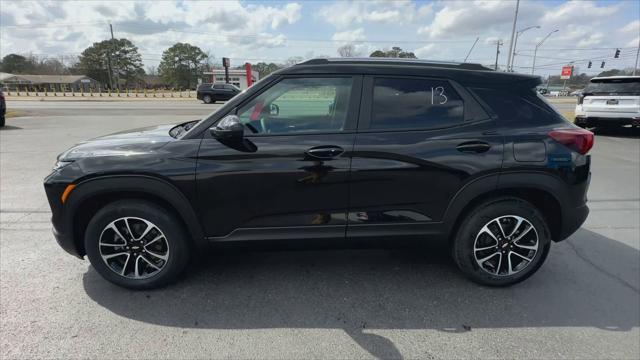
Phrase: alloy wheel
{"type": "Point", "coordinates": [506, 245]}
{"type": "Point", "coordinates": [133, 247]}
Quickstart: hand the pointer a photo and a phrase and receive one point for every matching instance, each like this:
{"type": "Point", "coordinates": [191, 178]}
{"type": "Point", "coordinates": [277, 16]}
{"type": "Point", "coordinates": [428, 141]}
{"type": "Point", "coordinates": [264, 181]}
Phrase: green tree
{"type": "Point", "coordinates": [126, 62]}
{"type": "Point", "coordinates": [182, 64]}
{"type": "Point", "coordinates": [395, 52]}
{"type": "Point", "coordinates": [16, 64]}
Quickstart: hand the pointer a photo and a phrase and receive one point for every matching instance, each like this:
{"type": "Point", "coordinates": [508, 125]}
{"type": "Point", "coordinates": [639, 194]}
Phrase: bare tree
{"type": "Point", "coordinates": [348, 50]}
{"type": "Point", "coordinates": [293, 60]}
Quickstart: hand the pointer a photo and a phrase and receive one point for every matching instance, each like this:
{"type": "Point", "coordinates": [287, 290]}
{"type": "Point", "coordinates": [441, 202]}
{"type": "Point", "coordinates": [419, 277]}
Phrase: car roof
{"type": "Point", "coordinates": [466, 73]}
{"type": "Point", "coordinates": [615, 77]}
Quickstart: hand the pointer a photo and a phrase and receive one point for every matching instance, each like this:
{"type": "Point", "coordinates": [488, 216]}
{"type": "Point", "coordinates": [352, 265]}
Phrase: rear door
{"type": "Point", "coordinates": [419, 142]}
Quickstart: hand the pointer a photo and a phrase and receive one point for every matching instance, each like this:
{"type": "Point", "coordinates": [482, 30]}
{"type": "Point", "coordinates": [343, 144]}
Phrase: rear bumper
{"type": "Point", "coordinates": [572, 220]}
{"type": "Point", "coordinates": [584, 120]}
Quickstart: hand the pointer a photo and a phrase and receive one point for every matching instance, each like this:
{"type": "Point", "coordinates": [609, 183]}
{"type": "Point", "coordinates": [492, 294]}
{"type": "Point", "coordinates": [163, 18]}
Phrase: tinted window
{"type": "Point", "coordinates": [414, 104]}
{"type": "Point", "coordinates": [299, 105]}
{"type": "Point", "coordinates": [627, 86]}
{"type": "Point", "coordinates": [526, 107]}
{"type": "Point", "coordinates": [218, 86]}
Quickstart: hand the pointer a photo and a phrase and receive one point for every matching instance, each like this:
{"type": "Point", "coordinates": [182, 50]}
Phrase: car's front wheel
{"type": "Point", "coordinates": [502, 242]}
{"type": "Point", "coordinates": [136, 244]}
{"type": "Point", "coordinates": [207, 99]}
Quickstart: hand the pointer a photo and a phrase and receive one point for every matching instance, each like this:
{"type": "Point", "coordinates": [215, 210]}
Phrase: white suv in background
{"type": "Point", "coordinates": [608, 101]}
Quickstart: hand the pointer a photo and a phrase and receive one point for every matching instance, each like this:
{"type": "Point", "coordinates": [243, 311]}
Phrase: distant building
{"type": "Point", "coordinates": [47, 82]}
{"type": "Point", "coordinates": [236, 77]}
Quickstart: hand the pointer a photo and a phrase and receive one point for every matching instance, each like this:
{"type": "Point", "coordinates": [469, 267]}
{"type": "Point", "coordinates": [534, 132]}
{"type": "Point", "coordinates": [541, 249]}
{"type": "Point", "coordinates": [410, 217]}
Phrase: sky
{"type": "Point", "coordinates": [273, 31]}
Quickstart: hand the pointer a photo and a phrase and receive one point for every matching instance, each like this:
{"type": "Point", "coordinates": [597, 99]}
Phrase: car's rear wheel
{"type": "Point", "coordinates": [502, 242]}
{"type": "Point", "coordinates": [136, 244]}
{"type": "Point", "coordinates": [207, 99]}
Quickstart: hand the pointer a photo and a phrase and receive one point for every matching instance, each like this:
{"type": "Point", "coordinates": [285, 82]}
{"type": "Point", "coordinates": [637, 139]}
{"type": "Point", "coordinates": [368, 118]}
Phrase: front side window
{"type": "Point", "coordinates": [299, 105]}
{"type": "Point", "coordinates": [402, 103]}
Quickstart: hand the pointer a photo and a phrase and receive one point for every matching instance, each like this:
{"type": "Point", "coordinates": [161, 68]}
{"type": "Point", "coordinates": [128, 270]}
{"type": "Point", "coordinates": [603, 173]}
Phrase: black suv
{"type": "Point", "coordinates": [210, 93]}
{"type": "Point", "coordinates": [364, 150]}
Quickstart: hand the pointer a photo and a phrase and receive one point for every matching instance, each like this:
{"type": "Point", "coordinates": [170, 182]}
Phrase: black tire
{"type": "Point", "coordinates": [2, 121]}
{"type": "Point", "coordinates": [177, 243]}
{"type": "Point", "coordinates": [207, 99]}
{"type": "Point", "coordinates": [506, 209]}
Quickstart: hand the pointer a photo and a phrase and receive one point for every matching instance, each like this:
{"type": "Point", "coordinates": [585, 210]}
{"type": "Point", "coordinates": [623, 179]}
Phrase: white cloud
{"type": "Point", "coordinates": [342, 14]}
{"type": "Point", "coordinates": [152, 26]}
{"type": "Point", "coordinates": [456, 19]}
{"type": "Point", "coordinates": [584, 11]}
{"type": "Point", "coordinates": [349, 35]}
{"type": "Point", "coordinates": [425, 52]}
{"type": "Point", "coordinates": [591, 40]}
{"type": "Point", "coordinates": [632, 27]}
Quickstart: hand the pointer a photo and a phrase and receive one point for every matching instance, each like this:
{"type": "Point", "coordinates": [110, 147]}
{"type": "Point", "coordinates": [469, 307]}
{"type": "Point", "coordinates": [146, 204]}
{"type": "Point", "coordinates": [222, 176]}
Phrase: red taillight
{"type": "Point", "coordinates": [580, 140]}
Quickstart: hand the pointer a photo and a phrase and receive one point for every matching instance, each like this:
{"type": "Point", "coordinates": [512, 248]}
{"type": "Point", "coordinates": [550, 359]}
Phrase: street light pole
{"type": "Point", "coordinates": [515, 43]}
{"type": "Point", "coordinates": [535, 52]}
{"type": "Point", "coordinates": [637, 55]}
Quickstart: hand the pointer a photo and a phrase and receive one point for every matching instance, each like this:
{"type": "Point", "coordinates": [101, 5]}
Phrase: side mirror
{"type": "Point", "coordinates": [228, 128]}
{"type": "Point", "coordinates": [274, 110]}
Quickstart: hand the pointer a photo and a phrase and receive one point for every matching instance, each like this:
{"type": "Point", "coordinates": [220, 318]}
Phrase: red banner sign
{"type": "Point", "coordinates": [566, 72]}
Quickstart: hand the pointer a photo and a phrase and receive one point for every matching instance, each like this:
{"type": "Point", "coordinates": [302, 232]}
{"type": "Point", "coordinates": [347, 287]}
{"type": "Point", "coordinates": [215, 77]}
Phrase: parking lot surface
{"type": "Point", "coordinates": [583, 303]}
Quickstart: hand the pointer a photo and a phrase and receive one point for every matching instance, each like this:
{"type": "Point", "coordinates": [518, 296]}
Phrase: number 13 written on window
{"type": "Point", "coordinates": [438, 96]}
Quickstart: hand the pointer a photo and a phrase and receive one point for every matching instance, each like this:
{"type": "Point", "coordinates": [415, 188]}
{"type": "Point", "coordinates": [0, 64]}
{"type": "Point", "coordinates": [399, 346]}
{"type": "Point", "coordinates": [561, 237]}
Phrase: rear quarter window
{"type": "Point", "coordinates": [523, 107]}
{"type": "Point", "coordinates": [414, 104]}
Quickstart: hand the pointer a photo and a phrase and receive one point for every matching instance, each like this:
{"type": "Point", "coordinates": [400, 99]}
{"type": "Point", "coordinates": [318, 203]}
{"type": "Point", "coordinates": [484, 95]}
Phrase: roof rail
{"type": "Point", "coordinates": [395, 61]}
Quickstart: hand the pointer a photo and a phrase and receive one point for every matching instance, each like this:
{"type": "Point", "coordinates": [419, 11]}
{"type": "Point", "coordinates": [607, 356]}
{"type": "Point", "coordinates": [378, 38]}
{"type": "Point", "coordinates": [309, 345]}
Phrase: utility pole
{"type": "Point", "coordinates": [109, 65]}
{"type": "Point", "coordinates": [513, 32]}
{"type": "Point", "coordinates": [637, 54]}
{"type": "Point", "coordinates": [498, 44]}
{"type": "Point", "coordinates": [113, 43]}
{"type": "Point", "coordinates": [470, 50]}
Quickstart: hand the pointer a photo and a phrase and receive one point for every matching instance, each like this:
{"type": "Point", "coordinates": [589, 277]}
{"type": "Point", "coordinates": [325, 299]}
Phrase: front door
{"type": "Point", "coordinates": [419, 142]}
{"type": "Point", "coordinates": [289, 177]}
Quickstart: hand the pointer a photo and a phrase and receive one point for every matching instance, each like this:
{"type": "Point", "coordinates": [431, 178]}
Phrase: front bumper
{"type": "Point", "coordinates": [66, 242]}
{"type": "Point", "coordinates": [61, 219]}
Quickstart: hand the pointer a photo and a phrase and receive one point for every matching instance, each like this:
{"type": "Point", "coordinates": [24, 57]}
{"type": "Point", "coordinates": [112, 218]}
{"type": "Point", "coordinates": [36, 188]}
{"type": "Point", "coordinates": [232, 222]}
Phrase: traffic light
{"type": "Point", "coordinates": [602, 65]}
{"type": "Point", "coordinates": [589, 65]}
{"type": "Point", "coordinates": [617, 55]}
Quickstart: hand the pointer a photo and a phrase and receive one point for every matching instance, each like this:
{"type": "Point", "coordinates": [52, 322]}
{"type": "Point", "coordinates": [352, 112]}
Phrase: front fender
{"type": "Point", "coordinates": [137, 184]}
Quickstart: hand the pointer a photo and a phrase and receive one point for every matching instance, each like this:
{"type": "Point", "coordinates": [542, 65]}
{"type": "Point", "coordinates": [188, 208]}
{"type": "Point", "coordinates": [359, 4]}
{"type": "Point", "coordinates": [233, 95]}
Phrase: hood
{"type": "Point", "coordinates": [126, 143]}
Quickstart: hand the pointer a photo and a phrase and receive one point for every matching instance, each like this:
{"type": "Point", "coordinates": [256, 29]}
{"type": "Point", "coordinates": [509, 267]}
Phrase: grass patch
{"type": "Point", "coordinates": [569, 115]}
{"type": "Point", "coordinates": [13, 113]}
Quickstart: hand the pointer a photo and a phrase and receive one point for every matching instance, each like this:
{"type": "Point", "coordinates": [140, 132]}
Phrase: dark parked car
{"type": "Point", "coordinates": [3, 108]}
{"type": "Point", "coordinates": [335, 150]}
{"type": "Point", "coordinates": [210, 93]}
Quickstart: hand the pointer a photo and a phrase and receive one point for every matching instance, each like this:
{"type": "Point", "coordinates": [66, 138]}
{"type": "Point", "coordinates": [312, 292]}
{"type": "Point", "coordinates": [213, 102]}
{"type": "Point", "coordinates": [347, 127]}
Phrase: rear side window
{"type": "Point", "coordinates": [519, 107]}
{"type": "Point", "coordinates": [402, 103]}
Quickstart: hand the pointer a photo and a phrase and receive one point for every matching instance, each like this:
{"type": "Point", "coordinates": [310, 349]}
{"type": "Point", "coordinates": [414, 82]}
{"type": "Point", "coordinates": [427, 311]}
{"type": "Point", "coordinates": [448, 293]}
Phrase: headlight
{"type": "Point", "coordinates": [60, 164]}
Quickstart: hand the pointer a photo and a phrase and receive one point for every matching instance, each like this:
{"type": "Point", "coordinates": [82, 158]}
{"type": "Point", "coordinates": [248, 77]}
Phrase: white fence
{"type": "Point", "coordinates": [128, 93]}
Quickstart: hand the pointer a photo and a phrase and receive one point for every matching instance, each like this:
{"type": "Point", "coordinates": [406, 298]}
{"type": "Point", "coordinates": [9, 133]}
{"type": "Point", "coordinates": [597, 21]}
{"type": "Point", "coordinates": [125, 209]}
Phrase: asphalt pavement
{"type": "Point", "coordinates": [248, 303]}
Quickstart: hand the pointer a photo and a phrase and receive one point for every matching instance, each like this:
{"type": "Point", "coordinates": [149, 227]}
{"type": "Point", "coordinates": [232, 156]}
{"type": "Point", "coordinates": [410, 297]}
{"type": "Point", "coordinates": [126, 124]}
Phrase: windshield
{"type": "Point", "coordinates": [630, 86]}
